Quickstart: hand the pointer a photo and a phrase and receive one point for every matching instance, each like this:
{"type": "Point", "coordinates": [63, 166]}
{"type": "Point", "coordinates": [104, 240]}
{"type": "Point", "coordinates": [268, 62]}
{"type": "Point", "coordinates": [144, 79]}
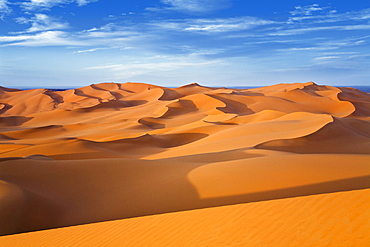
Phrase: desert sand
{"type": "Point", "coordinates": [135, 164]}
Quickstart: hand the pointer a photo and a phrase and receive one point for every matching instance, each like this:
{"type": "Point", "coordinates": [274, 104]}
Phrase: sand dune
{"type": "Point", "coordinates": [115, 151]}
{"type": "Point", "coordinates": [335, 219]}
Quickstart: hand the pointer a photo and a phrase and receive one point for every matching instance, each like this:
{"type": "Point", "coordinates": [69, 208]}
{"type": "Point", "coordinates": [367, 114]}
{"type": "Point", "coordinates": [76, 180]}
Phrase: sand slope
{"type": "Point", "coordinates": [336, 219]}
{"type": "Point", "coordinates": [113, 151]}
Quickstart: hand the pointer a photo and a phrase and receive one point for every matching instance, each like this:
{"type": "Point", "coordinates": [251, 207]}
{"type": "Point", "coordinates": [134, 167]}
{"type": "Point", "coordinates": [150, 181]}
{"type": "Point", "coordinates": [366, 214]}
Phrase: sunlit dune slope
{"type": "Point", "coordinates": [114, 151]}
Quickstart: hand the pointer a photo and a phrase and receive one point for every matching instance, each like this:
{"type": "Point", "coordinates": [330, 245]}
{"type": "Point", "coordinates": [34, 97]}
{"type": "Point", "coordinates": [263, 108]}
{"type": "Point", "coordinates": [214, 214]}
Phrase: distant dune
{"type": "Point", "coordinates": [283, 165]}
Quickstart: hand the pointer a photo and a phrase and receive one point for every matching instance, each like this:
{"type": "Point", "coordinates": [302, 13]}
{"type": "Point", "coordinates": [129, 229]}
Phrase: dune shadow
{"type": "Point", "coordinates": [354, 138]}
{"type": "Point", "coordinates": [247, 93]}
{"type": "Point", "coordinates": [9, 158]}
{"type": "Point", "coordinates": [232, 106]}
{"type": "Point", "coordinates": [113, 105]}
{"type": "Point", "coordinates": [151, 123]}
{"type": "Point", "coordinates": [220, 123]}
{"type": "Point", "coordinates": [181, 107]}
{"type": "Point", "coordinates": [6, 89]}
{"type": "Point", "coordinates": [116, 95]}
{"type": "Point", "coordinates": [170, 94]}
{"type": "Point", "coordinates": [112, 188]}
{"type": "Point", "coordinates": [136, 147]}
{"type": "Point", "coordinates": [360, 100]}
{"type": "Point", "coordinates": [205, 158]}
{"type": "Point", "coordinates": [180, 139]}
{"type": "Point", "coordinates": [96, 87]}
{"type": "Point", "coordinates": [126, 188]}
{"type": "Point", "coordinates": [79, 92]}
{"type": "Point", "coordinates": [305, 190]}
{"type": "Point", "coordinates": [123, 89]}
{"type": "Point", "coordinates": [54, 96]}
{"type": "Point", "coordinates": [13, 121]}
{"type": "Point", "coordinates": [136, 102]}
{"type": "Point", "coordinates": [7, 138]}
{"type": "Point", "coordinates": [30, 221]}
{"type": "Point", "coordinates": [5, 107]}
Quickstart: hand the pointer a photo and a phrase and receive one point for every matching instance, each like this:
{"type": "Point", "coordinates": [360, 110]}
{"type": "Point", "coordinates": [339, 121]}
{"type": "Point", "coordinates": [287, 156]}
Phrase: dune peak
{"type": "Point", "coordinates": [193, 84]}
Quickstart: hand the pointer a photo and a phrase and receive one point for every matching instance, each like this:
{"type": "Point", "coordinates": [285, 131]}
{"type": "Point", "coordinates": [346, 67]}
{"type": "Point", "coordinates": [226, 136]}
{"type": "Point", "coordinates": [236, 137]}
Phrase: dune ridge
{"type": "Point", "coordinates": [114, 151]}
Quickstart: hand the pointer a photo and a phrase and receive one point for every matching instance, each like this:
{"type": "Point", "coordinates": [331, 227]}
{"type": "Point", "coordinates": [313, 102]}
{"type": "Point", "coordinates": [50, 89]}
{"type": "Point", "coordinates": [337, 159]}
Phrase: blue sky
{"type": "Point", "coordinates": [68, 43]}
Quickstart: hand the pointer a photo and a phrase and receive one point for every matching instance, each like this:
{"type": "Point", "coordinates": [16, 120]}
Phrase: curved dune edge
{"type": "Point", "coordinates": [272, 176]}
{"type": "Point", "coordinates": [340, 136]}
{"type": "Point", "coordinates": [150, 150]}
{"type": "Point", "coordinates": [300, 221]}
{"type": "Point", "coordinates": [291, 125]}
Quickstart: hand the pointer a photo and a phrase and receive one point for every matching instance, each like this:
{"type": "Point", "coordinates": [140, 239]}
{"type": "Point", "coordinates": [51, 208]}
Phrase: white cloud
{"type": "Point", "coordinates": [354, 27]}
{"type": "Point", "coordinates": [326, 58]}
{"type": "Point", "coordinates": [45, 32]}
{"type": "Point", "coordinates": [47, 38]}
{"type": "Point", "coordinates": [319, 28]}
{"type": "Point", "coordinates": [90, 50]}
{"type": "Point", "coordinates": [109, 34]}
{"type": "Point", "coordinates": [41, 22]}
{"type": "Point", "coordinates": [193, 6]}
{"type": "Point", "coordinates": [226, 25]}
{"type": "Point", "coordinates": [4, 8]}
{"type": "Point", "coordinates": [15, 38]}
{"type": "Point", "coordinates": [291, 69]}
{"type": "Point", "coordinates": [113, 35]}
{"type": "Point", "coordinates": [343, 61]}
{"type": "Point", "coordinates": [330, 17]}
{"type": "Point", "coordinates": [339, 53]}
{"type": "Point", "coordinates": [153, 65]}
{"type": "Point", "coordinates": [312, 48]}
{"type": "Point", "coordinates": [212, 25]}
{"type": "Point", "coordinates": [101, 49]}
{"type": "Point", "coordinates": [331, 45]}
{"type": "Point", "coordinates": [84, 2]}
{"type": "Point", "coordinates": [359, 56]}
{"type": "Point", "coordinates": [307, 10]}
{"type": "Point", "coordinates": [47, 4]}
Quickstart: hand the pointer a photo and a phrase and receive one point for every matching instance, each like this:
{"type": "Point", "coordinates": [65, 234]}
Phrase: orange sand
{"type": "Point", "coordinates": [288, 155]}
{"type": "Point", "coordinates": [335, 219]}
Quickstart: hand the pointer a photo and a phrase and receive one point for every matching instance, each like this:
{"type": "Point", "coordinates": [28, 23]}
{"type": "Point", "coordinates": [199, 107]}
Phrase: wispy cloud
{"type": "Point", "coordinates": [226, 25]}
{"type": "Point", "coordinates": [47, 38]}
{"type": "Point", "coordinates": [327, 58]}
{"type": "Point", "coordinates": [41, 22]}
{"type": "Point", "coordinates": [154, 65]}
{"type": "Point", "coordinates": [360, 56]}
{"type": "Point", "coordinates": [345, 61]}
{"type": "Point", "coordinates": [90, 50]}
{"type": "Point", "coordinates": [307, 10]}
{"type": "Point", "coordinates": [192, 6]}
{"type": "Point", "coordinates": [247, 37]}
{"type": "Point", "coordinates": [4, 8]}
{"type": "Point", "coordinates": [212, 25]}
{"type": "Point", "coordinates": [326, 15]}
{"type": "Point", "coordinates": [332, 45]}
{"type": "Point", "coordinates": [47, 4]}
{"type": "Point", "coordinates": [114, 36]}
{"type": "Point", "coordinates": [46, 31]}
{"type": "Point", "coordinates": [101, 49]}
{"type": "Point", "coordinates": [111, 30]}
{"type": "Point", "coordinates": [297, 31]}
